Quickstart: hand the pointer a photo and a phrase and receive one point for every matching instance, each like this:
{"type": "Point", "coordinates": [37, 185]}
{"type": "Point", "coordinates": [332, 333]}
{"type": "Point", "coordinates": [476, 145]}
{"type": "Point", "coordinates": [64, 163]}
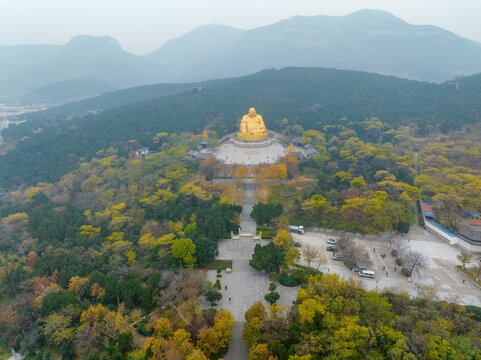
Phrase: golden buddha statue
{"type": "Point", "coordinates": [252, 127]}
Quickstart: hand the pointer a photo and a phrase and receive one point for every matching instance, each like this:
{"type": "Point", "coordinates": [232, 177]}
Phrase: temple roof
{"type": "Point", "coordinates": [470, 234]}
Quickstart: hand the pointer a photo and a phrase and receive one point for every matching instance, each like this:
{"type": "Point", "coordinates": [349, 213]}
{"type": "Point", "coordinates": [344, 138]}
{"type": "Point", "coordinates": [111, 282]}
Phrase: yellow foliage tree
{"type": "Point", "coordinates": [261, 352]}
{"type": "Point", "coordinates": [131, 258]}
{"type": "Point", "coordinates": [57, 328]}
{"type": "Point", "coordinates": [76, 283]}
{"type": "Point", "coordinates": [15, 221]}
{"type": "Point", "coordinates": [162, 327]}
{"type": "Point", "coordinates": [223, 323]}
{"type": "Point", "coordinates": [89, 231]}
{"type": "Point", "coordinates": [195, 190]}
{"type": "Point", "coordinates": [308, 309]}
{"type": "Point", "coordinates": [209, 341]}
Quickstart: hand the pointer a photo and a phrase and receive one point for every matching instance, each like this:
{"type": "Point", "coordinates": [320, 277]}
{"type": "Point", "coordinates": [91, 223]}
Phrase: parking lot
{"type": "Point", "coordinates": [440, 272]}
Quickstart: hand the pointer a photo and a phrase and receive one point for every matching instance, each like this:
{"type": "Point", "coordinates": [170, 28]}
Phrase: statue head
{"type": "Point", "coordinates": [252, 111]}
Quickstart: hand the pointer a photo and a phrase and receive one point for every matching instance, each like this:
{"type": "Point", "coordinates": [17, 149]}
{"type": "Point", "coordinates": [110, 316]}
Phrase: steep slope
{"type": "Point", "coordinates": [311, 97]}
{"type": "Point", "coordinates": [368, 40]}
{"type": "Point", "coordinates": [201, 44]}
{"type": "Point", "coordinates": [99, 58]}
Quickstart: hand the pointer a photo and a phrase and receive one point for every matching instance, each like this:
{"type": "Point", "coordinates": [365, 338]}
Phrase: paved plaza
{"type": "Point", "coordinates": [230, 153]}
{"type": "Point", "coordinates": [245, 285]}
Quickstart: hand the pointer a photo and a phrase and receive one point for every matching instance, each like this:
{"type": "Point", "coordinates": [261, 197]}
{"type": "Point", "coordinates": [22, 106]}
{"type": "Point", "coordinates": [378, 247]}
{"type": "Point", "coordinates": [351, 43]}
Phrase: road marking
{"type": "Point", "coordinates": [327, 257]}
{"type": "Point", "coordinates": [447, 273]}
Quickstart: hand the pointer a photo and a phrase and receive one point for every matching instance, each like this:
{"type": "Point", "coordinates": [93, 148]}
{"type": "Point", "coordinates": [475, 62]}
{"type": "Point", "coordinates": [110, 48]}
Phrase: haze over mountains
{"type": "Point", "coordinates": [367, 40]}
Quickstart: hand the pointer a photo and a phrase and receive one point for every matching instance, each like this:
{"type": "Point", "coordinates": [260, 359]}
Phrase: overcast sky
{"type": "Point", "coordinates": [142, 26]}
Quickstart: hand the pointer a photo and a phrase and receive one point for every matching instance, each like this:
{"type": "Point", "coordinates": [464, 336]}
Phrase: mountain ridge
{"type": "Point", "coordinates": [366, 40]}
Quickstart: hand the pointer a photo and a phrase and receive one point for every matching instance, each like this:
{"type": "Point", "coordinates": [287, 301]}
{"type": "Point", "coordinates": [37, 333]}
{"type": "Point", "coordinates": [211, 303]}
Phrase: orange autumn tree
{"type": "Point", "coordinates": [277, 171]}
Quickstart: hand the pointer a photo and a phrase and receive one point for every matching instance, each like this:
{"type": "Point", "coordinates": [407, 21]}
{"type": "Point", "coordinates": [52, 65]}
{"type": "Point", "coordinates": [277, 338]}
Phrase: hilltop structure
{"type": "Point", "coordinates": [252, 127]}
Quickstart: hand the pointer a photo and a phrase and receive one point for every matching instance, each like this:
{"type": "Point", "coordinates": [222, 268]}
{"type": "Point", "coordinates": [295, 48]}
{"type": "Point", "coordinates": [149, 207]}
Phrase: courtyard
{"type": "Point", "coordinates": [229, 153]}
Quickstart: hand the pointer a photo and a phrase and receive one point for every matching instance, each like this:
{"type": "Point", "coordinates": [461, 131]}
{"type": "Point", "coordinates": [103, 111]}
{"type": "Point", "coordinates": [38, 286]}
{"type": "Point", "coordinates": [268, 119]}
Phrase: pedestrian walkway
{"type": "Point", "coordinates": [248, 224]}
{"type": "Point", "coordinates": [244, 285]}
{"type": "Point", "coordinates": [237, 349]}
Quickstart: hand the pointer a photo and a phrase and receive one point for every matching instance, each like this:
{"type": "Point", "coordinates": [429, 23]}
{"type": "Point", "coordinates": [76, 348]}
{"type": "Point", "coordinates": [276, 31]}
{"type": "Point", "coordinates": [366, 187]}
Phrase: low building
{"type": "Point", "coordinates": [310, 151]}
{"type": "Point", "coordinates": [428, 211]}
{"type": "Point", "coordinates": [471, 238]}
{"type": "Point", "coordinates": [142, 151]}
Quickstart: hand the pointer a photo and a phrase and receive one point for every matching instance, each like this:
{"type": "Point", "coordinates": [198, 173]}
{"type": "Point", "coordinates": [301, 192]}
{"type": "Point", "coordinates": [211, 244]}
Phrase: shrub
{"type": "Point", "coordinates": [264, 213]}
{"type": "Point", "coordinates": [213, 296]}
{"type": "Point", "coordinates": [475, 310]}
{"type": "Point", "coordinates": [266, 231]}
{"type": "Point", "coordinates": [291, 280]}
{"type": "Point", "coordinates": [272, 297]}
{"type": "Point", "coordinates": [272, 286]}
{"type": "Point", "coordinates": [55, 301]}
{"type": "Point", "coordinates": [297, 277]}
{"type": "Point", "coordinates": [274, 276]}
{"type": "Point", "coordinates": [268, 258]}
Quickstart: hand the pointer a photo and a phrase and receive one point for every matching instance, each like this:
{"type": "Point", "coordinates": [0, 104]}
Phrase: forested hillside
{"type": "Point", "coordinates": [334, 318]}
{"type": "Point", "coordinates": [311, 97]}
{"type": "Point", "coordinates": [101, 263]}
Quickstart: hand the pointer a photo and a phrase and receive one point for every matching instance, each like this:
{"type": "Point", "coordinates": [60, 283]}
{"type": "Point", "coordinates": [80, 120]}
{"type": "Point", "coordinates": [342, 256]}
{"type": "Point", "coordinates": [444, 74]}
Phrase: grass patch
{"type": "Point", "coordinates": [310, 172]}
{"type": "Point", "coordinates": [302, 267]}
{"type": "Point", "coordinates": [469, 274]}
{"type": "Point", "coordinates": [219, 264]}
{"type": "Point", "coordinates": [281, 193]}
{"type": "Point", "coordinates": [5, 353]}
{"type": "Point", "coordinates": [266, 231]}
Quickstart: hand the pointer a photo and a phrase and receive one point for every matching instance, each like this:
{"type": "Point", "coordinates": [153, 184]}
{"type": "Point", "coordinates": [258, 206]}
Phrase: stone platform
{"type": "Point", "coordinates": [267, 152]}
{"type": "Point", "coordinates": [252, 144]}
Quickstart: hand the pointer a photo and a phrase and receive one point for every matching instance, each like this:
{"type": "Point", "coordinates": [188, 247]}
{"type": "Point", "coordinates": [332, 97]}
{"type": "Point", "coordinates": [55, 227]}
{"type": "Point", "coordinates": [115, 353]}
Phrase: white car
{"type": "Point", "coordinates": [331, 241]}
{"type": "Point", "coordinates": [367, 273]}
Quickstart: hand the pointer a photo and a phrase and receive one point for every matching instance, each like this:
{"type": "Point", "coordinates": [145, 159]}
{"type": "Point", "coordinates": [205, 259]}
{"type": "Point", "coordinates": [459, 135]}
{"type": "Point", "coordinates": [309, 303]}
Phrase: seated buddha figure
{"type": "Point", "coordinates": [252, 127]}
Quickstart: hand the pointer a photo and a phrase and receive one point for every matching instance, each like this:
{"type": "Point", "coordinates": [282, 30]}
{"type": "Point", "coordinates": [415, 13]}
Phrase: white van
{"type": "Point", "coordinates": [367, 273]}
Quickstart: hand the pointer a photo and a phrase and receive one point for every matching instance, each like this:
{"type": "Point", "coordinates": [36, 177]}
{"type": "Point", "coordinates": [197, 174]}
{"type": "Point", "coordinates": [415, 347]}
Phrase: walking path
{"type": "Point", "coordinates": [245, 285]}
{"type": "Point", "coordinates": [237, 348]}
{"type": "Point", "coordinates": [248, 224]}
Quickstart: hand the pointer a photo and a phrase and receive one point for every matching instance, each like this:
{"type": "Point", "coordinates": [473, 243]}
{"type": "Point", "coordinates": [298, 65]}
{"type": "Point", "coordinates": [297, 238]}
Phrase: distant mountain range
{"type": "Point", "coordinates": [367, 40]}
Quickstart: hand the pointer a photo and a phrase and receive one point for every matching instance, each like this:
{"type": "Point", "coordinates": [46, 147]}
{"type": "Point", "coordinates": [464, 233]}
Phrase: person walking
{"type": "Point", "coordinates": [225, 287]}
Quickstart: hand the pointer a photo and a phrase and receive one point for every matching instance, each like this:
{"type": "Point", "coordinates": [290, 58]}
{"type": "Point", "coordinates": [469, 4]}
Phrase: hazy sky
{"type": "Point", "coordinates": [142, 26]}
